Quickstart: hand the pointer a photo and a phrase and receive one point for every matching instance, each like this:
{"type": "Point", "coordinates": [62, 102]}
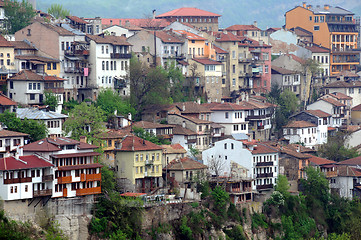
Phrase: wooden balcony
{"type": "Point", "coordinates": [62, 180]}
{"type": "Point", "coordinates": [263, 187]}
{"type": "Point", "coordinates": [120, 55]}
{"type": "Point", "coordinates": [93, 177]}
{"type": "Point", "coordinates": [88, 191]}
{"type": "Point", "coordinates": [17, 180]}
{"type": "Point", "coordinates": [331, 174]}
{"type": "Point", "coordinates": [47, 178]}
{"type": "Point", "coordinates": [42, 193]}
{"type": "Point", "coordinates": [262, 164]}
{"type": "Point", "coordinates": [264, 175]}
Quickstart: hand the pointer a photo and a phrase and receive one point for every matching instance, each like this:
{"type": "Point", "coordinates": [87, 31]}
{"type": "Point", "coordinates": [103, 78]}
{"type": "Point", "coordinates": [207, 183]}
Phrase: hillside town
{"type": "Point", "coordinates": [252, 104]}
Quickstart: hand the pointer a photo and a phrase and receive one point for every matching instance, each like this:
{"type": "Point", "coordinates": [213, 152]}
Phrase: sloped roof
{"type": "Point", "coordinates": [185, 163]}
{"type": "Point", "coordinates": [134, 143]}
{"type": "Point", "coordinates": [22, 45]}
{"type": "Point", "coordinates": [174, 148]}
{"type": "Point", "coordinates": [36, 114]}
{"type": "Point", "coordinates": [193, 119]}
{"type": "Point", "coordinates": [219, 50]}
{"type": "Point", "coordinates": [60, 30]}
{"type": "Point", "coordinates": [318, 160]}
{"type": "Point", "coordinates": [188, 12]}
{"type": "Point", "coordinates": [299, 124]}
{"type": "Point", "coordinates": [226, 37]}
{"type": "Point", "coordinates": [344, 84]}
{"type": "Point", "coordinates": [113, 40]}
{"type": "Point", "coordinates": [54, 145]}
{"type": "Point", "coordinates": [166, 37]}
{"type": "Point", "coordinates": [261, 148]}
{"type": "Point", "coordinates": [302, 32]}
{"type": "Point", "coordinates": [340, 96]}
{"type": "Point", "coordinates": [356, 108]}
{"type": "Point", "coordinates": [7, 133]}
{"type": "Point", "coordinates": [348, 171]}
{"type": "Point", "coordinates": [226, 106]}
{"type": "Point", "coordinates": [5, 101]}
{"type": "Point", "coordinates": [179, 130]}
{"type": "Point", "coordinates": [331, 10]}
{"type": "Point", "coordinates": [190, 36]}
{"type": "Point", "coordinates": [317, 49]}
{"type": "Point", "coordinates": [353, 161]}
{"type": "Point", "coordinates": [116, 134]}
{"type": "Point", "coordinates": [36, 58]}
{"type": "Point", "coordinates": [297, 59]}
{"type": "Point", "coordinates": [238, 27]}
{"type": "Point", "coordinates": [146, 125]}
{"type": "Point", "coordinates": [333, 102]}
{"type": "Point", "coordinates": [283, 71]}
{"type": "Point", "coordinates": [318, 113]}
{"type": "Point", "coordinates": [191, 107]}
{"type": "Point", "coordinates": [139, 22]}
{"type": "Point", "coordinates": [25, 162]}
{"type": "Point", "coordinates": [77, 19]}
{"type": "Point", "coordinates": [5, 43]}
{"type": "Point", "coordinates": [206, 61]}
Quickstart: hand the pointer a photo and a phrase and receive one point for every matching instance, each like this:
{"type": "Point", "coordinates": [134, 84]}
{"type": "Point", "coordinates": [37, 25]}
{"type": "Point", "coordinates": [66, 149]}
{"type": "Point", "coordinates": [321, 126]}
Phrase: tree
{"type": "Point", "coordinates": [216, 165]}
{"type": "Point", "coordinates": [18, 15]}
{"type": "Point", "coordinates": [57, 11]}
{"type": "Point", "coordinates": [282, 185]}
{"type": "Point", "coordinates": [316, 186]}
{"type": "Point", "coordinates": [51, 100]}
{"type": "Point", "coordinates": [176, 80]}
{"type": "Point", "coordinates": [109, 101]}
{"type": "Point", "coordinates": [36, 129]}
{"type": "Point", "coordinates": [85, 120]}
{"type": "Point", "coordinates": [335, 149]}
{"type": "Point", "coordinates": [140, 132]}
{"type": "Point", "coordinates": [147, 85]}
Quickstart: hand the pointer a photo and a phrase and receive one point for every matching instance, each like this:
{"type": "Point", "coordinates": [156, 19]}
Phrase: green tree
{"type": "Point", "coordinates": [85, 120]}
{"type": "Point", "coordinates": [36, 129]}
{"type": "Point", "coordinates": [335, 149]}
{"type": "Point", "coordinates": [316, 186]}
{"type": "Point", "coordinates": [140, 132]}
{"type": "Point", "coordinates": [51, 100]}
{"type": "Point", "coordinates": [69, 105]}
{"type": "Point", "coordinates": [147, 85]}
{"type": "Point", "coordinates": [110, 101]}
{"type": "Point", "coordinates": [176, 80]}
{"type": "Point", "coordinates": [57, 11]}
{"type": "Point", "coordinates": [282, 185]}
{"type": "Point", "coordinates": [18, 15]}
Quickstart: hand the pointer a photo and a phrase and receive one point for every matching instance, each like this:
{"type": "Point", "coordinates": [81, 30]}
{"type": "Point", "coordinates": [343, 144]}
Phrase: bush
{"type": "Point", "coordinates": [185, 231]}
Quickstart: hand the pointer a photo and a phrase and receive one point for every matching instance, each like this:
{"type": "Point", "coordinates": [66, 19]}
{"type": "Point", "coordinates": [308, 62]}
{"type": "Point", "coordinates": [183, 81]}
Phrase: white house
{"type": "Point", "coordinates": [301, 132]}
{"type": "Point", "coordinates": [10, 141]}
{"type": "Point", "coordinates": [333, 107]}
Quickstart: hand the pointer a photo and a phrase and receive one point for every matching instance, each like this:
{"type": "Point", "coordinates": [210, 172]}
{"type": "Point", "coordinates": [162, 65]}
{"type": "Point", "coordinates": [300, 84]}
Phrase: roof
{"type": "Point", "coordinates": [302, 32]}
{"type": "Point", "coordinates": [318, 113]}
{"type": "Point", "coordinates": [344, 84]}
{"type": "Point", "coordinates": [226, 37]}
{"type": "Point", "coordinates": [36, 58]}
{"type": "Point", "coordinates": [53, 145]}
{"type": "Point", "coordinates": [134, 143]}
{"type": "Point", "coordinates": [146, 124]}
{"type": "Point", "coordinates": [79, 154]}
{"type": "Point", "coordinates": [206, 61]}
{"type": "Point", "coordinates": [190, 36]}
{"type": "Point", "coordinates": [5, 101]}
{"type": "Point", "coordinates": [79, 166]}
{"type": "Point", "coordinates": [297, 59]}
{"type": "Point", "coordinates": [5, 43]}
{"type": "Point", "coordinates": [34, 113]}
{"type": "Point", "coordinates": [299, 124]}
{"type": "Point", "coordinates": [340, 96]}
{"type": "Point", "coordinates": [27, 75]}
{"type": "Point", "coordinates": [24, 162]}
{"type": "Point", "coordinates": [318, 160]}
{"type": "Point", "coordinates": [317, 49]}
{"type": "Point", "coordinates": [131, 194]}
{"type": "Point", "coordinates": [179, 130]}
{"type": "Point", "coordinates": [283, 71]}
{"type": "Point", "coordinates": [116, 134]}
{"type": "Point", "coordinates": [7, 133]}
{"type": "Point", "coordinates": [193, 119]}
{"type": "Point", "coordinates": [139, 22]}
{"type": "Point", "coordinates": [356, 108]}
{"type": "Point", "coordinates": [106, 39]}
{"type": "Point", "coordinates": [333, 102]}
{"type": "Point", "coordinates": [353, 161]}
{"type": "Point", "coordinates": [22, 45]}
{"type": "Point", "coordinates": [175, 148]}
{"type": "Point", "coordinates": [219, 50]}
{"type": "Point", "coordinates": [187, 12]}
{"type": "Point", "coordinates": [61, 31]}
{"type": "Point", "coordinates": [226, 106]}
{"type": "Point", "coordinates": [191, 107]}
{"type": "Point", "coordinates": [238, 27]}
{"type": "Point", "coordinates": [331, 10]}
{"type": "Point", "coordinates": [185, 163]}
{"type": "Point", "coordinates": [261, 148]}
{"type": "Point", "coordinates": [77, 19]}
{"type": "Point", "coordinates": [166, 37]}
{"type": "Point", "coordinates": [348, 171]}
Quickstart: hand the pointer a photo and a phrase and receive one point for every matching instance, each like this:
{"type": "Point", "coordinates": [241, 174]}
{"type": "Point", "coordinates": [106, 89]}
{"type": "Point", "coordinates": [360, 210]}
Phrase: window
{"type": "Point", "coordinates": [62, 46]}
{"type": "Point", "coordinates": [232, 146]}
{"type": "Point", "coordinates": [54, 66]}
{"type": "Point", "coordinates": [226, 115]}
{"type": "Point", "coordinates": [322, 18]}
{"type": "Point", "coordinates": [102, 49]}
{"type": "Point", "coordinates": [30, 86]}
{"type": "Point", "coordinates": [233, 82]}
{"type": "Point", "coordinates": [310, 18]}
{"type": "Point", "coordinates": [103, 65]}
{"type": "Point", "coordinates": [32, 96]}
{"type": "Point", "coordinates": [316, 19]}
{"type": "Point", "coordinates": [233, 68]}
{"type": "Point", "coordinates": [266, 68]}
{"type": "Point", "coordinates": [316, 28]}
{"type": "Point", "coordinates": [235, 127]}
{"type": "Point", "coordinates": [26, 188]}
{"type": "Point", "coordinates": [234, 54]}
{"type": "Point", "coordinates": [8, 62]}
{"type": "Point", "coordinates": [48, 66]}
{"type": "Point", "coordinates": [225, 146]}
{"type": "Point", "coordinates": [38, 86]}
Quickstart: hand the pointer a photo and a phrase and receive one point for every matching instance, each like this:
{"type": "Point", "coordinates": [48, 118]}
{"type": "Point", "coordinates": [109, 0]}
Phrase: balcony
{"type": "Point", "coordinates": [42, 193]}
{"type": "Point", "coordinates": [120, 55]}
{"type": "Point", "coordinates": [73, 70]}
{"type": "Point", "coordinates": [88, 191]}
{"type": "Point", "coordinates": [263, 164]}
{"type": "Point", "coordinates": [244, 60]}
{"type": "Point", "coordinates": [93, 177]}
{"type": "Point", "coordinates": [17, 180]}
{"type": "Point", "coordinates": [148, 162]}
{"type": "Point", "coordinates": [256, 117]}
{"type": "Point", "coordinates": [263, 187]}
{"type": "Point", "coordinates": [264, 175]}
{"type": "Point", "coordinates": [47, 178]}
{"type": "Point", "coordinates": [62, 180]}
{"type": "Point", "coordinates": [76, 52]}
{"type": "Point", "coordinates": [260, 127]}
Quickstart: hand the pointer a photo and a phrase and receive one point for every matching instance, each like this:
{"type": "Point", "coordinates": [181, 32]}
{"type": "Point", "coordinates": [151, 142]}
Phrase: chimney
{"type": "Point", "coordinates": [237, 100]}
{"type": "Point", "coordinates": [309, 6]}
{"type": "Point", "coordinates": [83, 139]}
{"type": "Point", "coordinates": [130, 116]}
{"type": "Point", "coordinates": [184, 124]}
{"type": "Point", "coordinates": [198, 100]}
{"type": "Point", "coordinates": [19, 152]}
{"type": "Point", "coordinates": [326, 7]}
{"type": "Point", "coordinates": [304, 4]}
{"type": "Point", "coordinates": [255, 23]}
{"type": "Point", "coordinates": [298, 148]}
{"type": "Point", "coordinates": [154, 13]}
{"type": "Point", "coordinates": [183, 107]}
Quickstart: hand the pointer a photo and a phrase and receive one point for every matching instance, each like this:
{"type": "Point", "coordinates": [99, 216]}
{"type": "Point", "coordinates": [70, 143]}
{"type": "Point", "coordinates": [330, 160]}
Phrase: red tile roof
{"type": "Point", "coordinates": [318, 113]}
{"type": "Point", "coordinates": [175, 148]}
{"type": "Point", "coordinates": [226, 37]}
{"type": "Point", "coordinates": [190, 36]}
{"type": "Point", "coordinates": [219, 50]}
{"type": "Point", "coordinates": [113, 40]}
{"type": "Point", "coordinates": [206, 61]}
{"type": "Point", "coordinates": [193, 119]}
{"type": "Point", "coordinates": [191, 107]}
{"type": "Point", "coordinates": [139, 22]}
{"type": "Point", "coordinates": [134, 143]}
{"type": "Point", "coordinates": [317, 49]}
{"type": "Point", "coordinates": [37, 58]}
{"type": "Point", "coordinates": [7, 133]}
{"type": "Point", "coordinates": [333, 102]}
{"type": "Point", "coordinates": [340, 96]}
{"type": "Point", "coordinates": [22, 45]}
{"type": "Point", "coordinates": [185, 163]}
{"type": "Point", "coordinates": [5, 101]}
{"type": "Point", "coordinates": [242, 28]}
{"type": "Point", "coordinates": [299, 124]}
{"type": "Point", "coordinates": [353, 161]}
{"type": "Point", "coordinates": [179, 130]}
{"type": "Point", "coordinates": [116, 134]}
{"type": "Point", "coordinates": [25, 162]}
{"type": "Point", "coordinates": [5, 43]}
{"type": "Point", "coordinates": [226, 106]}
{"type": "Point", "coordinates": [297, 59]}
{"type": "Point", "coordinates": [77, 19]}
{"type": "Point", "coordinates": [146, 124]}
{"type": "Point", "coordinates": [79, 154]}
{"type": "Point", "coordinates": [187, 12]}
{"type": "Point", "coordinates": [167, 37]}
{"type": "Point", "coordinates": [261, 148]}
{"type": "Point", "coordinates": [52, 145]}
{"type": "Point", "coordinates": [319, 160]}
{"type": "Point", "coordinates": [356, 108]}
{"type": "Point", "coordinates": [280, 70]}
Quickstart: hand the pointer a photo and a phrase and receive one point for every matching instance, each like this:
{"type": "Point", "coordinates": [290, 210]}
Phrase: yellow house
{"type": "Point", "coordinates": [6, 59]}
{"type": "Point", "coordinates": [198, 47]}
{"type": "Point", "coordinates": [332, 27]}
{"type": "Point", "coordinates": [138, 164]}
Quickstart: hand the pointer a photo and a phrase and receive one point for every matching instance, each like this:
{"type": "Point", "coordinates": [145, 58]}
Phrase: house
{"type": "Point", "coordinates": [319, 54]}
{"type": "Point", "coordinates": [184, 172]}
{"type": "Point", "coordinates": [201, 127]}
{"type": "Point", "coordinates": [342, 98]}
{"type": "Point", "coordinates": [118, 30]}
{"type": "Point", "coordinates": [287, 80]}
{"type": "Point", "coordinates": [138, 165]}
{"type": "Point", "coordinates": [159, 112]}
{"type": "Point", "coordinates": [172, 152]}
{"type": "Point", "coordinates": [301, 132]}
{"type": "Point", "coordinates": [162, 130]}
{"type": "Point", "coordinates": [250, 31]}
{"type": "Point", "coordinates": [76, 171]}
{"type": "Point", "coordinates": [184, 137]}
{"type": "Point", "coordinates": [198, 18]}
{"type": "Point", "coordinates": [10, 141]}
{"type": "Point", "coordinates": [346, 182]}
{"type": "Point", "coordinates": [7, 54]}
{"type": "Point", "coordinates": [318, 117]}
{"type": "Point", "coordinates": [7, 104]}
{"type": "Point", "coordinates": [356, 114]}
{"type": "Point", "coordinates": [110, 56]}
{"type": "Point", "coordinates": [25, 177]}
{"type": "Point", "coordinates": [331, 27]}
{"type": "Point", "coordinates": [349, 88]}
{"type": "Point", "coordinates": [52, 120]}
{"type": "Point", "coordinates": [194, 109]}
{"type": "Point", "coordinates": [333, 107]}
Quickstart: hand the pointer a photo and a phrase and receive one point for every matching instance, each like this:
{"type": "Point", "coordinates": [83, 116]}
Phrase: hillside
{"type": "Point", "coordinates": [266, 12]}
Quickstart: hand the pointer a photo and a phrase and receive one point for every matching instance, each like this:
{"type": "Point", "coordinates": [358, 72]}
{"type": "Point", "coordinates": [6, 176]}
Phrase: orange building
{"type": "Point", "coordinates": [333, 28]}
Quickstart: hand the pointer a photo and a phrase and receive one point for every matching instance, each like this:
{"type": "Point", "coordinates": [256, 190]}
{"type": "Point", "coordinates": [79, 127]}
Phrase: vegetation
{"type": "Point", "coordinates": [140, 132]}
{"type": "Point", "coordinates": [57, 11]}
{"type": "Point", "coordinates": [18, 15]}
{"type": "Point", "coordinates": [51, 100]}
{"type": "Point", "coordinates": [36, 129]}
{"type": "Point", "coordinates": [335, 148]}
{"type": "Point", "coordinates": [85, 120]}
{"type": "Point", "coordinates": [68, 106]}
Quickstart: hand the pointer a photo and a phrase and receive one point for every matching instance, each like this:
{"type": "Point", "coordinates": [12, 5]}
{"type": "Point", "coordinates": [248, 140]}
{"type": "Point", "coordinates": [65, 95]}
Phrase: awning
{"type": "Point", "coordinates": [37, 62]}
{"type": "Point", "coordinates": [72, 58]}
